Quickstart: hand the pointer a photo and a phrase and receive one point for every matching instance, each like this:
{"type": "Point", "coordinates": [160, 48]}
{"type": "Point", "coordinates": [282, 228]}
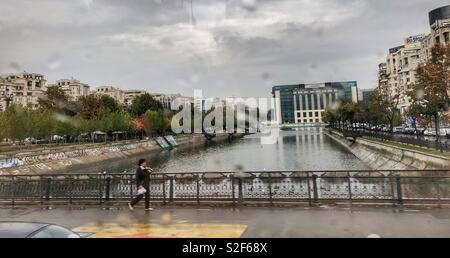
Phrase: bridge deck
{"type": "Point", "coordinates": [244, 222]}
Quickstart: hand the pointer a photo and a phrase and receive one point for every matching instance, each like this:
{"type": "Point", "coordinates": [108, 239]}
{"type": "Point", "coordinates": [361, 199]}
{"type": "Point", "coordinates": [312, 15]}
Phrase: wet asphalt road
{"type": "Point", "coordinates": [358, 222]}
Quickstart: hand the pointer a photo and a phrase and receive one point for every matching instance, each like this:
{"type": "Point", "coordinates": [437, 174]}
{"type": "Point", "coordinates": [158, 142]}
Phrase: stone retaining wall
{"type": "Point", "coordinates": [384, 157]}
{"type": "Point", "coordinates": [71, 161]}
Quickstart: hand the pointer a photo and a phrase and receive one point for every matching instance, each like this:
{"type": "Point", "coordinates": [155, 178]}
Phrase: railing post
{"type": "Point", "coordinates": [13, 191]}
{"type": "Point", "coordinates": [240, 190]}
{"type": "Point", "coordinates": [308, 179]}
{"type": "Point", "coordinates": [197, 178]}
{"type": "Point", "coordinates": [164, 189]}
{"type": "Point", "coordinates": [315, 189]}
{"type": "Point", "coordinates": [70, 190]}
{"type": "Point", "coordinates": [171, 190]}
{"type": "Point", "coordinates": [438, 185]}
{"type": "Point", "coordinates": [350, 196]}
{"type": "Point", "coordinates": [100, 189]}
{"type": "Point", "coordinates": [108, 189]}
{"type": "Point", "coordinates": [399, 189]}
{"type": "Point", "coordinates": [270, 189]}
{"type": "Point", "coordinates": [131, 187]}
{"type": "Point", "coordinates": [41, 191]}
{"type": "Point", "coordinates": [48, 186]}
{"type": "Point", "coordinates": [232, 190]}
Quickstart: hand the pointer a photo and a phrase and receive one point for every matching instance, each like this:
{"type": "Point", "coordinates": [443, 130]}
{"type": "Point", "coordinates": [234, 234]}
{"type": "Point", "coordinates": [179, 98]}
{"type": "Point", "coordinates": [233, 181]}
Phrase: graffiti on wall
{"type": "Point", "coordinates": [60, 156]}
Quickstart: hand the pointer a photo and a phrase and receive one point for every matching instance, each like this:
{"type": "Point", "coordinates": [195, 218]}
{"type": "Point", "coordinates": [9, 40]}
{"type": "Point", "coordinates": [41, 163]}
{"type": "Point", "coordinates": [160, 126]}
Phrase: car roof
{"type": "Point", "coordinates": [19, 229]}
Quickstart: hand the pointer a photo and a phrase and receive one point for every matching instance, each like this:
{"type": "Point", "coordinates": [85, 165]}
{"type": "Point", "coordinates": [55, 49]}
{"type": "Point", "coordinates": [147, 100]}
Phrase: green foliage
{"type": "Point", "coordinates": [56, 100]}
{"type": "Point", "coordinates": [90, 107]}
{"type": "Point", "coordinates": [156, 122]}
{"type": "Point", "coordinates": [144, 103]}
{"type": "Point", "coordinates": [57, 116]}
{"type": "Point", "coordinates": [110, 104]}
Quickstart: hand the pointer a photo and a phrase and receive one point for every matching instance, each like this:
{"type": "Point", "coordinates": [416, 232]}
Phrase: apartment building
{"type": "Point", "coordinates": [123, 97]}
{"type": "Point", "coordinates": [74, 89]}
{"type": "Point", "coordinates": [170, 101]}
{"type": "Point", "coordinates": [399, 73]}
{"type": "Point", "coordinates": [21, 89]}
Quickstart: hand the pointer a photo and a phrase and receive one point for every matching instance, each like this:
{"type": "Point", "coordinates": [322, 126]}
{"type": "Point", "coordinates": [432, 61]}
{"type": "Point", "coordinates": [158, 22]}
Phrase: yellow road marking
{"type": "Point", "coordinates": [183, 230]}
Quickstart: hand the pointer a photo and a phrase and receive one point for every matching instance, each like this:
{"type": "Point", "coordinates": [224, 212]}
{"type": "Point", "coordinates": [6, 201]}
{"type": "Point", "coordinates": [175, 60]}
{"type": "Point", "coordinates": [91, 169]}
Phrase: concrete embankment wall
{"type": "Point", "coordinates": [383, 157]}
{"type": "Point", "coordinates": [83, 163]}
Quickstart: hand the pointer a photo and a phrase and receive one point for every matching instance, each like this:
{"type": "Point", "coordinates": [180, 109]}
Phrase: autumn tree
{"type": "Point", "coordinates": [432, 87]}
{"type": "Point", "coordinates": [387, 102]}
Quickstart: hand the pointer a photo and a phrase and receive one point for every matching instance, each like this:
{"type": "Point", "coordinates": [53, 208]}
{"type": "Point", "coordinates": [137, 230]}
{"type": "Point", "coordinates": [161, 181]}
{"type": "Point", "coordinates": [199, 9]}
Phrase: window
{"type": "Point", "coordinates": [55, 232]}
{"type": "Point", "coordinates": [317, 114]}
{"type": "Point", "coordinates": [305, 114]}
{"type": "Point", "coordinates": [310, 114]}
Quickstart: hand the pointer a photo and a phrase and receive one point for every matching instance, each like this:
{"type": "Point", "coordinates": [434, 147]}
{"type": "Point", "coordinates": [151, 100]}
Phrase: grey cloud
{"type": "Point", "coordinates": [236, 47]}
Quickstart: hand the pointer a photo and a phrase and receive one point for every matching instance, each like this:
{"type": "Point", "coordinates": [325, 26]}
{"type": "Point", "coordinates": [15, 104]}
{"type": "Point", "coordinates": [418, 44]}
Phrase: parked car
{"type": "Point", "coordinates": [399, 129]}
{"type": "Point", "coordinates": [444, 131]}
{"type": "Point", "coordinates": [430, 132]}
{"type": "Point", "coordinates": [34, 230]}
{"type": "Point", "coordinates": [420, 130]}
{"type": "Point", "coordinates": [411, 130]}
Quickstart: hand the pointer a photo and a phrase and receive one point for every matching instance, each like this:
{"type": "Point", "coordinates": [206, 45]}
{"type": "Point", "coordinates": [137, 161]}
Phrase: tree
{"type": "Point", "coordinates": [43, 124]}
{"type": "Point", "coordinates": [110, 104]}
{"type": "Point", "coordinates": [155, 122]}
{"type": "Point", "coordinates": [90, 107]}
{"type": "Point", "coordinates": [4, 131]}
{"type": "Point", "coordinates": [144, 103]}
{"type": "Point", "coordinates": [55, 99]}
{"type": "Point", "coordinates": [415, 111]}
{"type": "Point", "coordinates": [431, 89]}
{"type": "Point", "coordinates": [329, 117]}
{"type": "Point", "coordinates": [19, 122]}
{"type": "Point", "coordinates": [387, 102]}
{"type": "Point", "coordinates": [116, 122]}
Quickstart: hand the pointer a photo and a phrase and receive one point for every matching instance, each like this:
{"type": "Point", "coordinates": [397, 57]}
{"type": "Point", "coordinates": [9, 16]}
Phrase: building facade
{"type": "Point", "coordinates": [365, 95]}
{"type": "Point", "coordinates": [399, 74]}
{"type": "Point", "coordinates": [74, 89]}
{"type": "Point", "coordinates": [175, 101]}
{"type": "Point", "coordinates": [123, 97]}
{"type": "Point", "coordinates": [440, 29]}
{"type": "Point", "coordinates": [21, 89]}
{"type": "Point", "coordinates": [306, 103]}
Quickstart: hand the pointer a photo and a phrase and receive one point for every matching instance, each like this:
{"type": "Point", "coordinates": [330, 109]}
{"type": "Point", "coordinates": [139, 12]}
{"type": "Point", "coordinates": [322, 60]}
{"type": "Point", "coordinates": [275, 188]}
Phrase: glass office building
{"type": "Point", "coordinates": [306, 103]}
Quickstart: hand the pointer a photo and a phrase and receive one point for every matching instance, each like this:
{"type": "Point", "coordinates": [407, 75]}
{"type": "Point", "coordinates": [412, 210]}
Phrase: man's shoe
{"type": "Point", "coordinates": [149, 209]}
{"type": "Point", "coordinates": [130, 207]}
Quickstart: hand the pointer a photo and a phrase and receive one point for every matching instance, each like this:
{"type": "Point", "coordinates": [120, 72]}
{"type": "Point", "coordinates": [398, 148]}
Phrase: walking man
{"type": "Point", "coordinates": [143, 184]}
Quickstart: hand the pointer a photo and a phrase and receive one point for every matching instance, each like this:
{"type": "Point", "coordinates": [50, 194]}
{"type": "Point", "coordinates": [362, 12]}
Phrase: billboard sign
{"type": "Point", "coordinates": [414, 39]}
{"type": "Point", "coordinates": [315, 86]}
{"type": "Point", "coordinates": [395, 49]}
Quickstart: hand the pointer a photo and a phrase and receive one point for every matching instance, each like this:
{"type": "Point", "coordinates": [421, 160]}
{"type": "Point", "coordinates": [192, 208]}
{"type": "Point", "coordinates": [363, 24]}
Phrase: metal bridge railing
{"type": "Point", "coordinates": [420, 141]}
{"type": "Point", "coordinates": [395, 187]}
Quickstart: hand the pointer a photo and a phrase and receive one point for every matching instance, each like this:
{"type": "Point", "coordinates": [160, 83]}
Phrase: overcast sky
{"type": "Point", "coordinates": [225, 47]}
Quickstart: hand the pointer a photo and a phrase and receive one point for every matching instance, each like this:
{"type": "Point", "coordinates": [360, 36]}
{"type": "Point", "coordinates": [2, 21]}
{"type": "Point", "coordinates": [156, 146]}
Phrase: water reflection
{"type": "Point", "coordinates": [305, 149]}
